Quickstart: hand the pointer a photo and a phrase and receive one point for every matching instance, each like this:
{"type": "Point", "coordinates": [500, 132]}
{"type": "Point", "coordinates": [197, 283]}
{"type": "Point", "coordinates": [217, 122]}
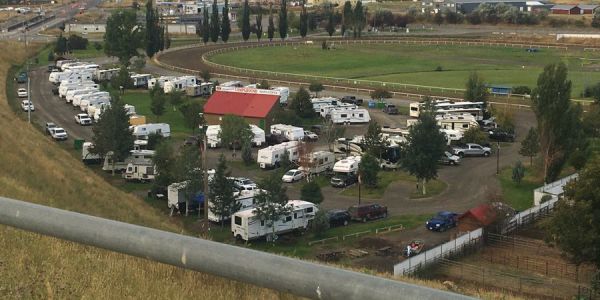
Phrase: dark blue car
{"type": "Point", "coordinates": [443, 221]}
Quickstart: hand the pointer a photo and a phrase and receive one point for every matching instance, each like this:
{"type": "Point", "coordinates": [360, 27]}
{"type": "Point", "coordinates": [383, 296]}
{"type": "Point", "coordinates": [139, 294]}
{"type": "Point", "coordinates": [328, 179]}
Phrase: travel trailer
{"type": "Point", "coordinates": [290, 133]}
{"type": "Point", "coordinates": [461, 123]}
{"type": "Point", "coordinates": [135, 157]}
{"type": "Point", "coordinates": [105, 74]}
{"type": "Point", "coordinates": [244, 197]}
{"type": "Point", "coordinates": [140, 172]}
{"type": "Point", "coordinates": [63, 88]}
{"type": "Point", "coordinates": [442, 107]}
{"type": "Point", "coordinates": [232, 84]}
{"type": "Point", "coordinates": [142, 131]}
{"type": "Point", "coordinates": [94, 102]}
{"type": "Point", "coordinates": [57, 77]}
{"type": "Point", "coordinates": [87, 157]}
{"type": "Point", "coordinates": [246, 226]}
{"type": "Point", "coordinates": [203, 89]}
{"type": "Point", "coordinates": [140, 80]}
{"type": "Point", "coordinates": [160, 81]}
{"type": "Point", "coordinates": [98, 94]}
{"type": "Point", "coordinates": [269, 157]}
{"type": "Point", "coordinates": [94, 110]}
{"type": "Point", "coordinates": [325, 110]}
{"type": "Point", "coordinates": [84, 91]}
{"type": "Point", "coordinates": [317, 162]}
{"type": "Point", "coordinates": [176, 197]}
{"type": "Point", "coordinates": [214, 141]}
{"type": "Point", "coordinates": [317, 103]}
{"type": "Point", "coordinates": [284, 94]}
{"type": "Point", "coordinates": [258, 138]}
{"type": "Point", "coordinates": [179, 84]}
{"type": "Point", "coordinates": [349, 115]}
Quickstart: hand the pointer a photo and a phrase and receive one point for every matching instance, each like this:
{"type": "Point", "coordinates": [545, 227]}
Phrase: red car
{"type": "Point", "coordinates": [365, 212]}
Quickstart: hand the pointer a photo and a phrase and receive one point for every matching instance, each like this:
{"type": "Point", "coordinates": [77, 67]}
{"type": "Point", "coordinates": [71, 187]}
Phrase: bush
{"type": "Point", "coordinates": [50, 56]}
{"type": "Point", "coordinates": [380, 93]}
{"type": "Point", "coordinates": [97, 46]}
{"type": "Point", "coordinates": [77, 43]}
{"type": "Point", "coordinates": [320, 223]}
{"type": "Point", "coordinates": [476, 136]}
{"type": "Point", "coordinates": [439, 69]}
{"type": "Point", "coordinates": [521, 90]}
{"type": "Point", "coordinates": [545, 198]}
{"type": "Point", "coordinates": [518, 172]}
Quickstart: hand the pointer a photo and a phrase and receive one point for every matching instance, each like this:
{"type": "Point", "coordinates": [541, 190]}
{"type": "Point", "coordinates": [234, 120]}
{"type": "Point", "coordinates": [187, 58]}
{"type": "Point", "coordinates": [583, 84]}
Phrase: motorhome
{"type": "Point", "coordinates": [179, 84]}
{"type": "Point", "coordinates": [317, 103]}
{"type": "Point", "coordinates": [348, 165]}
{"type": "Point", "coordinates": [461, 123]}
{"type": "Point", "coordinates": [325, 110]}
{"type": "Point", "coordinates": [142, 131]}
{"type": "Point", "coordinates": [105, 74]}
{"type": "Point", "coordinates": [203, 89]}
{"type": "Point", "coordinates": [269, 157]}
{"type": "Point", "coordinates": [135, 157]}
{"type": "Point", "coordinates": [258, 136]}
{"type": "Point", "coordinates": [244, 197]}
{"type": "Point", "coordinates": [349, 115]}
{"type": "Point", "coordinates": [83, 91]}
{"type": "Point", "coordinates": [284, 94]}
{"type": "Point", "coordinates": [78, 98]}
{"type": "Point", "coordinates": [57, 77]}
{"type": "Point", "coordinates": [64, 87]}
{"type": "Point", "coordinates": [290, 133]}
{"type": "Point", "coordinates": [160, 81]}
{"type": "Point", "coordinates": [232, 84]}
{"type": "Point", "coordinates": [214, 141]}
{"type": "Point", "coordinates": [245, 225]}
{"type": "Point", "coordinates": [140, 80]}
{"type": "Point", "coordinates": [140, 172]}
{"type": "Point", "coordinates": [317, 162]}
{"type": "Point", "coordinates": [442, 107]}
{"type": "Point", "coordinates": [87, 157]}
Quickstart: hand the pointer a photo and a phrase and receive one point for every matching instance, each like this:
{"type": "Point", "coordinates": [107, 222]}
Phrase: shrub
{"type": "Point", "coordinates": [77, 43]}
{"type": "Point", "coordinates": [439, 69]}
{"type": "Point", "coordinates": [521, 90]}
{"type": "Point", "coordinates": [518, 172]}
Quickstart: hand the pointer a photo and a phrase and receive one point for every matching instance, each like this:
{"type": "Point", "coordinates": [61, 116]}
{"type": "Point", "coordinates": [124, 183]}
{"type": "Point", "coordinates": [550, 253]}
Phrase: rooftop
{"type": "Point", "coordinates": [240, 104]}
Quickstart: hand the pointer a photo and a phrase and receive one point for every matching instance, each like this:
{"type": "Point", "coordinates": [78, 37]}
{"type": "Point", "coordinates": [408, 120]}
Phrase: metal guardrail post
{"type": "Point", "coordinates": [286, 274]}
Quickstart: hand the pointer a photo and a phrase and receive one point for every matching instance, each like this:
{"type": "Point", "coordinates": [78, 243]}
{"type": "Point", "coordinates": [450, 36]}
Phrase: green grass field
{"type": "Point", "coordinates": [519, 196]}
{"type": "Point", "coordinates": [417, 64]}
{"type": "Point", "coordinates": [434, 187]}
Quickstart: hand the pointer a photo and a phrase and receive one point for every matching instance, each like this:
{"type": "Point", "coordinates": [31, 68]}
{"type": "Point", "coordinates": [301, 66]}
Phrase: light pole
{"type": "Point", "coordinates": [498, 159]}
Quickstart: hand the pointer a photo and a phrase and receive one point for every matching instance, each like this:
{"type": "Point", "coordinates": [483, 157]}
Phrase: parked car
{"type": "Point", "coordinates": [27, 105]}
{"type": "Point", "coordinates": [292, 175]}
{"type": "Point", "coordinates": [501, 135]}
{"type": "Point", "coordinates": [49, 127]}
{"type": "Point", "coordinates": [442, 221]}
{"type": "Point", "coordinates": [449, 159]}
{"type": "Point", "coordinates": [310, 136]}
{"type": "Point", "coordinates": [338, 217]}
{"type": "Point", "coordinates": [352, 100]}
{"type": "Point", "coordinates": [22, 93]}
{"type": "Point", "coordinates": [192, 140]}
{"type": "Point", "coordinates": [471, 150]}
{"type": "Point", "coordinates": [22, 77]}
{"type": "Point", "coordinates": [365, 212]}
{"type": "Point", "coordinates": [341, 181]}
{"type": "Point", "coordinates": [83, 119]}
{"type": "Point", "coordinates": [59, 134]}
{"type": "Point", "coordinates": [391, 109]}
{"type": "Point", "coordinates": [242, 183]}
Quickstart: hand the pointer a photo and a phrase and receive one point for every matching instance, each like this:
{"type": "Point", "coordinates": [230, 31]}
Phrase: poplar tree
{"type": "Point", "coordinates": [246, 21]}
{"type": "Point", "coordinates": [283, 21]}
{"type": "Point", "coordinates": [271, 28]}
{"type": "Point", "coordinates": [215, 27]}
{"type": "Point", "coordinates": [259, 30]}
{"type": "Point", "coordinates": [226, 27]}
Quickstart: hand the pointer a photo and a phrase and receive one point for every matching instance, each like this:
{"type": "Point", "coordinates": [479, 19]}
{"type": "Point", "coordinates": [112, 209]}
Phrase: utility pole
{"type": "Point", "coordinates": [205, 222]}
{"type": "Point", "coordinates": [498, 159]}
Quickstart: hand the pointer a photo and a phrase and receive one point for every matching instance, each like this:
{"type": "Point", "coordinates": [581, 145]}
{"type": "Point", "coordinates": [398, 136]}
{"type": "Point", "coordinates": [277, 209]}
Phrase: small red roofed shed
{"type": "Point", "coordinates": [479, 216]}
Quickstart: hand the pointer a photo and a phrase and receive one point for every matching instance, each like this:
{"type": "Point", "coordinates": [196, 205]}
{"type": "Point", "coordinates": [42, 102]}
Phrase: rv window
{"type": "Point", "coordinates": [276, 155]}
{"type": "Point", "coordinates": [288, 218]}
{"type": "Point", "coordinates": [414, 108]}
{"type": "Point", "coordinates": [262, 222]}
{"type": "Point", "coordinates": [465, 125]}
{"type": "Point", "coordinates": [295, 153]}
{"type": "Point", "coordinates": [360, 115]}
{"type": "Point", "coordinates": [238, 220]}
{"type": "Point", "coordinates": [295, 215]}
{"type": "Point", "coordinates": [320, 161]}
{"type": "Point", "coordinates": [343, 115]}
{"type": "Point", "coordinates": [309, 210]}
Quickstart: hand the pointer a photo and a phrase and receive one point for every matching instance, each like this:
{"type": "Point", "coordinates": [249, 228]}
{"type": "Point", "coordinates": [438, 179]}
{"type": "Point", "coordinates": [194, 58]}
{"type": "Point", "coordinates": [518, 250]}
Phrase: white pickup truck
{"type": "Point", "coordinates": [471, 150]}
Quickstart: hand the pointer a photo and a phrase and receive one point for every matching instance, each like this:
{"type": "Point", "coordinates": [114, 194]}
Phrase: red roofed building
{"type": "Point", "coordinates": [480, 216]}
{"type": "Point", "coordinates": [257, 106]}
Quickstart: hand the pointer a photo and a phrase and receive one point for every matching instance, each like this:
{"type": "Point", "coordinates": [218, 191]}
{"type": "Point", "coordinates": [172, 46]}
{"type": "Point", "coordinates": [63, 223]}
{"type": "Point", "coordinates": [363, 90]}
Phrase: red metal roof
{"type": "Point", "coordinates": [240, 104]}
{"type": "Point", "coordinates": [483, 213]}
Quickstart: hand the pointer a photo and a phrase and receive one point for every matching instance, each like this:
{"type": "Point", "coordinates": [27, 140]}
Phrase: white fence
{"type": "Point", "coordinates": [439, 252]}
{"type": "Point", "coordinates": [553, 189]}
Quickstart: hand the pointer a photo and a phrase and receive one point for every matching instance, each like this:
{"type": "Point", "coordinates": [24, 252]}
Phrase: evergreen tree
{"type": "Point", "coordinates": [188, 171]}
{"type": "Point", "coordinates": [247, 152]}
{"type": "Point", "coordinates": [359, 19]}
{"type": "Point", "coordinates": [284, 161]}
{"type": "Point", "coordinates": [596, 19]}
{"type": "Point", "coordinates": [271, 28]}
{"type": "Point", "coordinates": [311, 192]}
{"type": "Point", "coordinates": [530, 146]}
{"type": "Point", "coordinates": [157, 102]}
{"type": "Point", "coordinates": [316, 87]}
{"type": "Point", "coordinates": [259, 30]}
{"type": "Point", "coordinates": [373, 140]}
{"type": "Point", "coordinates": [246, 21]}
{"type": "Point", "coordinates": [161, 38]}
{"type": "Point", "coordinates": [301, 104]}
{"type": "Point", "coordinates": [270, 204]}
{"type": "Point", "coordinates": [518, 172]}
{"type": "Point", "coordinates": [303, 21]}
{"type": "Point", "coordinates": [205, 26]}
{"type": "Point", "coordinates": [60, 47]}
{"type": "Point", "coordinates": [368, 169]}
{"type": "Point", "coordinates": [347, 17]}
{"type": "Point", "coordinates": [152, 30]}
{"type": "Point", "coordinates": [235, 131]}
{"type": "Point", "coordinates": [226, 27]}
{"type": "Point", "coordinates": [215, 27]}
{"type": "Point", "coordinates": [191, 114]}
{"type": "Point", "coordinates": [221, 192]}
{"type": "Point", "coordinates": [164, 160]}
{"type": "Point", "coordinates": [167, 38]}
{"type": "Point", "coordinates": [123, 36]}
{"type": "Point", "coordinates": [283, 20]}
{"type": "Point", "coordinates": [476, 90]}
{"type": "Point", "coordinates": [330, 24]}
{"type": "Point", "coordinates": [438, 18]}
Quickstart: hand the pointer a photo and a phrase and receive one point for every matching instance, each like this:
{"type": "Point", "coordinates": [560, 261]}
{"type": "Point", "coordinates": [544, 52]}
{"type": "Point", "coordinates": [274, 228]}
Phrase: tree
{"type": "Point", "coordinates": [246, 21]}
{"type": "Point", "coordinates": [359, 19]}
{"type": "Point", "coordinates": [380, 93]}
{"type": "Point", "coordinates": [247, 152]}
{"type": "Point", "coordinates": [122, 79]}
{"type": "Point", "coordinates": [176, 98]}
{"type": "Point", "coordinates": [76, 42]}
{"type": "Point", "coordinates": [191, 111]}
{"type": "Point", "coordinates": [311, 192]}
{"type": "Point", "coordinates": [226, 27]}
{"type": "Point", "coordinates": [258, 24]}
{"type": "Point", "coordinates": [221, 192]}
{"type": "Point", "coordinates": [475, 89]}
{"type": "Point", "coordinates": [152, 30]}
{"type": "Point", "coordinates": [320, 223]}
{"type": "Point", "coordinates": [215, 27]}
{"type": "Point", "coordinates": [476, 136]}
{"type": "Point", "coordinates": [303, 21]}
{"type": "Point", "coordinates": [316, 87]}
{"type": "Point", "coordinates": [139, 63]}
{"type": "Point", "coordinates": [205, 74]}
{"type": "Point", "coordinates": [60, 47]}
{"type": "Point", "coordinates": [518, 172]}
{"type": "Point", "coordinates": [573, 226]}
{"type": "Point", "coordinates": [330, 28]}
{"type": "Point", "coordinates": [112, 135]}
{"type": "Point", "coordinates": [188, 171]}
{"type": "Point", "coordinates": [235, 131]}
{"type": "Point", "coordinates": [167, 39]}
{"type": "Point", "coordinates": [161, 38]}
{"type": "Point", "coordinates": [425, 146]}
{"type": "Point", "coordinates": [559, 124]}
{"type": "Point", "coordinates": [51, 56]}
{"type": "Point", "coordinates": [373, 140]}
{"type": "Point", "coordinates": [596, 19]}
{"type": "Point", "coordinates": [284, 161]}
{"type": "Point", "coordinates": [205, 25]}
{"type": "Point", "coordinates": [368, 169]}
{"type": "Point", "coordinates": [301, 104]}
{"type": "Point", "coordinates": [263, 85]}
{"type": "Point", "coordinates": [164, 160]}
{"type": "Point", "coordinates": [271, 28]}
{"type": "Point", "coordinates": [530, 146]}
{"type": "Point", "coordinates": [347, 17]}
{"type": "Point", "coordinates": [123, 36]}
{"type": "Point", "coordinates": [270, 203]}
{"type": "Point", "coordinates": [438, 18]}
{"type": "Point", "coordinates": [283, 20]}
{"type": "Point", "coordinates": [158, 101]}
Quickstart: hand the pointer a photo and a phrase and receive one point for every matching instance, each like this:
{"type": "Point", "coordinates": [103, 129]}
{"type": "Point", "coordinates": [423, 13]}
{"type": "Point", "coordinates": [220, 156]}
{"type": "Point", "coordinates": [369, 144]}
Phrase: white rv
{"type": "Point", "coordinates": [325, 110]}
{"type": "Point", "coordinates": [139, 171]}
{"type": "Point", "coordinates": [349, 115]}
{"type": "Point", "coordinates": [179, 84]}
{"type": "Point", "coordinates": [105, 74]}
{"type": "Point", "coordinates": [284, 94]}
{"type": "Point", "coordinates": [60, 63]}
{"type": "Point", "coordinates": [214, 141]}
{"type": "Point", "coordinates": [160, 81]}
{"type": "Point", "coordinates": [269, 157]}
{"type": "Point", "coordinates": [135, 157]}
{"type": "Point", "coordinates": [78, 98]}
{"type": "Point", "coordinates": [95, 102]}
{"type": "Point", "coordinates": [203, 89]}
{"type": "Point", "coordinates": [142, 131]}
{"type": "Point", "coordinates": [65, 87]}
{"type": "Point", "coordinates": [232, 84]}
{"type": "Point", "coordinates": [291, 133]}
{"type": "Point", "coordinates": [460, 122]}
{"type": "Point", "coordinates": [348, 165]}
{"type": "Point", "coordinates": [86, 67]}
{"type": "Point", "coordinates": [57, 77]}
{"type": "Point", "coordinates": [94, 110]}
{"type": "Point", "coordinates": [317, 103]}
{"type": "Point", "coordinates": [84, 91]}
{"type": "Point", "coordinates": [243, 197]}
{"type": "Point", "coordinates": [140, 80]}
{"type": "Point", "coordinates": [246, 226]}
{"type": "Point", "coordinates": [87, 157]}
{"type": "Point", "coordinates": [317, 162]}
{"type": "Point", "coordinates": [452, 135]}
{"type": "Point", "coordinates": [258, 136]}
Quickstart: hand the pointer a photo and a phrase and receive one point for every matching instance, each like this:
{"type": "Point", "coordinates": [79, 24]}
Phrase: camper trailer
{"type": "Point", "coordinates": [214, 141]}
{"type": "Point", "coordinates": [246, 226]}
{"type": "Point", "coordinates": [104, 74]}
{"type": "Point", "coordinates": [87, 157]}
{"type": "Point", "coordinates": [452, 135]}
{"type": "Point", "coordinates": [232, 84]}
{"type": "Point", "coordinates": [94, 110]}
{"type": "Point", "coordinates": [84, 91]}
{"type": "Point", "coordinates": [258, 136]}
{"type": "Point", "coordinates": [317, 162]}
{"type": "Point", "coordinates": [244, 197]}
{"type": "Point", "coordinates": [140, 80]}
{"type": "Point", "coordinates": [269, 157]}
{"type": "Point", "coordinates": [57, 77]}
{"type": "Point", "coordinates": [77, 99]}
{"type": "Point", "coordinates": [139, 171]}
{"type": "Point", "coordinates": [325, 110]}
{"type": "Point", "coordinates": [291, 133]}
{"type": "Point", "coordinates": [179, 84]}
{"type": "Point", "coordinates": [160, 81]}
{"type": "Point", "coordinates": [65, 87]}
{"type": "Point", "coordinates": [317, 103]}
{"type": "Point", "coordinates": [94, 102]}
{"type": "Point", "coordinates": [142, 131]}
{"type": "Point", "coordinates": [203, 89]}
{"type": "Point", "coordinates": [135, 157]}
{"type": "Point", "coordinates": [349, 115]}
{"type": "Point", "coordinates": [460, 122]}
{"type": "Point", "coordinates": [80, 67]}
{"type": "Point", "coordinates": [284, 94]}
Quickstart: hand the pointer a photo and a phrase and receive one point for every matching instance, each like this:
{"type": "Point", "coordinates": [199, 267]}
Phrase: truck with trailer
{"type": "Point", "coordinates": [270, 157]}
{"type": "Point", "coordinates": [345, 171]}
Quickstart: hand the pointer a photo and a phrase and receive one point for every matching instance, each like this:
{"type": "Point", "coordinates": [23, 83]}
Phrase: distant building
{"type": "Point", "coordinates": [480, 216]}
{"type": "Point", "coordinates": [587, 9]}
{"type": "Point", "coordinates": [566, 10]}
{"type": "Point", "coordinates": [467, 6]}
{"type": "Point", "coordinates": [257, 106]}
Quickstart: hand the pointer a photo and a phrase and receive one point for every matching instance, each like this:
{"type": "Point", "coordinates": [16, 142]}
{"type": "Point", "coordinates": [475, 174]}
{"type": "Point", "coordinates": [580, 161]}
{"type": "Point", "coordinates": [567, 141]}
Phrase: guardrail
{"type": "Point", "coordinates": [281, 273]}
{"type": "Point", "coordinates": [355, 235]}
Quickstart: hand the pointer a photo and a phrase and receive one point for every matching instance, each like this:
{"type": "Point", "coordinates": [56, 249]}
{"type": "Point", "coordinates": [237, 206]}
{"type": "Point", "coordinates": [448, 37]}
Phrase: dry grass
{"type": "Point", "coordinates": [120, 3]}
{"type": "Point", "coordinates": [89, 17]}
{"type": "Point", "coordinates": [5, 15]}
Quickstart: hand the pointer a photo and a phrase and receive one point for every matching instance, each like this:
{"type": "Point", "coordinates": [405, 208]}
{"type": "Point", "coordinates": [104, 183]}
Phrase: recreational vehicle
{"type": "Point", "coordinates": [94, 110]}
{"type": "Point", "coordinates": [84, 91]}
{"type": "Point", "coordinates": [258, 136]}
{"type": "Point", "coordinates": [284, 94]}
{"type": "Point", "coordinates": [65, 87]}
{"type": "Point", "coordinates": [176, 197]}
{"type": "Point", "coordinates": [461, 123]}
{"type": "Point", "coordinates": [179, 84]}
{"type": "Point", "coordinates": [291, 133]}
{"type": "Point", "coordinates": [139, 171]}
{"type": "Point", "coordinates": [325, 110]}
{"type": "Point", "coordinates": [105, 74]}
{"type": "Point", "coordinates": [160, 81]}
{"type": "Point", "coordinates": [244, 197]}
{"type": "Point", "coordinates": [135, 157]}
{"type": "Point", "coordinates": [57, 77]}
{"type": "Point", "coordinates": [317, 162]}
{"type": "Point", "coordinates": [94, 102]}
{"type": "Point", "coordinates": [232, 84]}
{"type": "Point", "coordinates": [317, 103]}
{"type": "Point", "coordinates": [87, 157]}
{"type": "Point", "coordinates": [203, 89]}
{"type": "Point", "coordinates": [78, 98]}
{"type": "Point", "coordinates": [349, 115]}
{"type": "Point", "coordinates": [140, 80]}
{"type": "Point", "coordinates": [269, 157]}
{"type": "Point", "coordinates": [212, 136]}
{"type": "Point", "coordinates": [245, 225]}
{"type": "Point", "coordinates": [142, 131]}
{"type": "Point", "coordinates": [88, 68]}
{"type": "Point", "coordinates": [442, 107]}
{"type": "Point", "coordinates": [345, 171]}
